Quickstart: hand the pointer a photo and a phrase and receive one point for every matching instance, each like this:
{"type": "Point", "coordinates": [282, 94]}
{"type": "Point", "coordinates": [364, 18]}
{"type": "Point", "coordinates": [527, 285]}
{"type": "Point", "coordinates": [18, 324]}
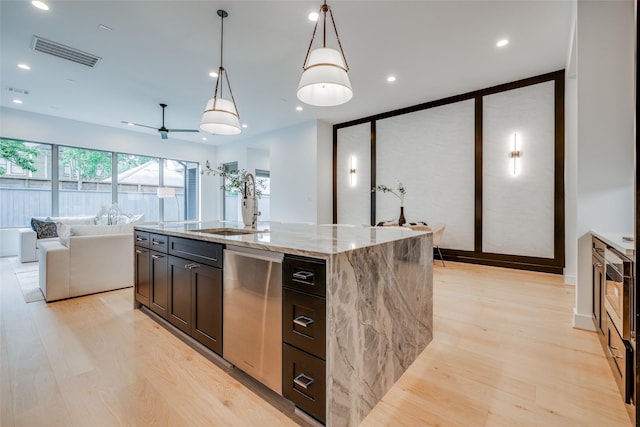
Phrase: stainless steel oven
{"type": "Point", "coordinates": [619, 293]}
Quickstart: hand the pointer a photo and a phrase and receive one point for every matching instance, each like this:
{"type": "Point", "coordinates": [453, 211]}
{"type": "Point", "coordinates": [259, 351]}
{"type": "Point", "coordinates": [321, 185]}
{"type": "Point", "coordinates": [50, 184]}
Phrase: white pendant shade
{"type": "Point", "coordinates": [221, 121]}
{"type": "Point", "coordinates": [325, 82]}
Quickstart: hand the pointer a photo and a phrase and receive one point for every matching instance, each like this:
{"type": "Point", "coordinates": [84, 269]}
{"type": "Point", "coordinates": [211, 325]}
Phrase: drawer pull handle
{"type": "Point", "coordinates": [138, 251]}
{"type": "Point", "coordinates": [303, 275]}
{"type": "Point", "coordinates": [156, 256]}
{"type": "Point", "coordinates": [303, 321]}
{"type": "Point", "coordinates": [140, 239]}
{"type": "Point", "coordinates": [192, 266]}
{"type": "Point", "coordinates": [157, 242]}
{"type": "Point", "coordinates": [303, 381]}
{"type": "Point", "coordinates": [615, 356]}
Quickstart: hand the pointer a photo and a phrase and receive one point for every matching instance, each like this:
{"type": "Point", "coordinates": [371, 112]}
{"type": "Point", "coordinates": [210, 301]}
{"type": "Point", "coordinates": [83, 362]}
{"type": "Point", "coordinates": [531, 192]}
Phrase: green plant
{"type": "Point", "coordinates": [18, 153]}
{"type": "Point", "coordinates": [232, 180]}
{"type": "Point", "coordinates": [400, 192]}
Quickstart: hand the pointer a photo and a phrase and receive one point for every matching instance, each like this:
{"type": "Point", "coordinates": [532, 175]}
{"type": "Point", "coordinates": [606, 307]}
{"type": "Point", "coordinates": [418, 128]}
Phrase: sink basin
{"type": "Point", "coordinates": [228, 231]}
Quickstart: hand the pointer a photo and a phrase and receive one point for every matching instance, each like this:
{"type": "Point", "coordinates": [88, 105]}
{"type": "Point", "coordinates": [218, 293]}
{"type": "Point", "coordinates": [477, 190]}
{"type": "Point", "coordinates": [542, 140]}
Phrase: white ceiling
{"type": "Point", "coordinates": [162, 51]}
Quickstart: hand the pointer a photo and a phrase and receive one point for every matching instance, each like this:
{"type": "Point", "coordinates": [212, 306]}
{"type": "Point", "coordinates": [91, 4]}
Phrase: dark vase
{"type": "Point", "coordinates": [402, 220]}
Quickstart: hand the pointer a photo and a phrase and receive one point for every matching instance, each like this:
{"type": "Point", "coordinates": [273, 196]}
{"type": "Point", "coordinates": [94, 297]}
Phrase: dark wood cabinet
{"type": "Point", "coordinates": [159, 301]}
{"type": "Point", "coordinates": [180, 294]}
{"type": "Point", "coordinates": [206, 306]}
{"type": "Point", "coordinates": [181, 281]}
{"type": "Point", "coordinates": [195, 294]}
{"type": "Point", "coordinates": [599, 311]}
{"type": "Point", "coordinates": [142, 278]}
{"type": "Point", "coordinates": [304, 334]}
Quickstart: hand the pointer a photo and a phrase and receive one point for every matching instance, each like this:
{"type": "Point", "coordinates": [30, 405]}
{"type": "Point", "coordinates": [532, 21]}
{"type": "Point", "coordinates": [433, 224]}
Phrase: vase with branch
{"type": "Point", "coordinates": [399, 192]}
{"type": "Point", "coordinates": [240, 182]}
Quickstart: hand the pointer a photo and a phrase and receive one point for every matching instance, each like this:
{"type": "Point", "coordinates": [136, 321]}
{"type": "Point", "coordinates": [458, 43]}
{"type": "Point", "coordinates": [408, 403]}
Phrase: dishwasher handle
{"type": "Point", "coordinates": [256, 254]}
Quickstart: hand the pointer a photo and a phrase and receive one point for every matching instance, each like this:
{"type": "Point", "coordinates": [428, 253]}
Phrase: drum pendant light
{"type": "Point", "coordinates": [324, 81]}
{"type": "Point", "coordinates": [221, 115]}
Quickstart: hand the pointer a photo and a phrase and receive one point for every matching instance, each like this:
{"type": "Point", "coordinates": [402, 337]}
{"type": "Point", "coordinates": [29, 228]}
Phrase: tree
{"type": "Point", "coordinates": [18, 153]}
{"type": "Point", "coordinates": [86, 165]}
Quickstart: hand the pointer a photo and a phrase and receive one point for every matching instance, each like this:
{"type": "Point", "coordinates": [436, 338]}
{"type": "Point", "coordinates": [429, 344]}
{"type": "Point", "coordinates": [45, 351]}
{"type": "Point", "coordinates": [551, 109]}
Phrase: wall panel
{"type": "Point", "coordinates": [354, 189]}
{"type": "Point", "coordinates": [518, 208]}
{"type": "Point", "coordinates": [432, 153]}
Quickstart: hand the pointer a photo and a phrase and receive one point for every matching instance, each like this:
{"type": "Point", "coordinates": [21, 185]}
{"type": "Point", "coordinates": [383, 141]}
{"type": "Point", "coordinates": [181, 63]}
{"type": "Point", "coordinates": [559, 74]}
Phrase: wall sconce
{"type": "Point", "coordinates": [515, 154]}
{"type": "Point", "coordinates": [352, 171]}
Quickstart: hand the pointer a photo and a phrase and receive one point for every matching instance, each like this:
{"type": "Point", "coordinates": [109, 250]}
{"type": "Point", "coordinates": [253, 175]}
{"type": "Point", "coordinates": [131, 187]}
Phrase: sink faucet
{"type": "Point", "coordinates": [250, 193]}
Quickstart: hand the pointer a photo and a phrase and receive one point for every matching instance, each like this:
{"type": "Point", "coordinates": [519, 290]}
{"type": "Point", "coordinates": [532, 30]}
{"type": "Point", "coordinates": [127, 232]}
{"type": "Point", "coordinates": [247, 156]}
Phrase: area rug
{"type": "Point", "coordinates": [27, 275]}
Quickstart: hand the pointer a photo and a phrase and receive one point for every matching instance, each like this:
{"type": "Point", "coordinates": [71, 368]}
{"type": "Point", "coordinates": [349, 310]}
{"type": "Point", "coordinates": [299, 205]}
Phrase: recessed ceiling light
{"type": "Point", "coordinates": [502, 43]}
{"type": "Point", "coordinates": [245, 125]}
{"type": "Point", "coordinates": [391, 78]}
{"type": "Point", "coordinates": [17, 101]}
{"type": "Point", "coordinates": [104, 27]}
{"type": "Point", "coordinates": [204, 138]}
{"type": "Point", "coordinates": [213, 74]}
{"type": "Point", "coordinates": [298, 108]}
{"type": "Point", "coordinates": [130, 124]}
{"type": "Point", "coordinates": [40, 5]}
{"type": "Point", "coordinates": [24, 66]}
{"type": "Point", "coordinates": [313, 16]}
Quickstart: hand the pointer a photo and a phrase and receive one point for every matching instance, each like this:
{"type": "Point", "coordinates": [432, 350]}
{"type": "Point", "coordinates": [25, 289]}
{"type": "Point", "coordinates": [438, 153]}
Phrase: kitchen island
{"type": "Point", "coordinates": [375, 286]}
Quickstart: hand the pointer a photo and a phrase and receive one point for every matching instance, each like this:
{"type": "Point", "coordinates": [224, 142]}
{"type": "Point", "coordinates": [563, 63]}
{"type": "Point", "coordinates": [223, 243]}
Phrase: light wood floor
{"type": "Point", "coordinates": [504, 354]}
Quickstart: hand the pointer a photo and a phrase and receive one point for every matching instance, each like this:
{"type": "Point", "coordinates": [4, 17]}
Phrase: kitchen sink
{"type": "Point", "coordinates": [229, 231]}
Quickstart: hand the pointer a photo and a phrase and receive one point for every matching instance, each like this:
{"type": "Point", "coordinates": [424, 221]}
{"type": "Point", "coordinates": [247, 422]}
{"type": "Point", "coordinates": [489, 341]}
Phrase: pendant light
{"type": "Point", "coordinates": [221, 115]}
{"type": "Point", "coordinates": [324, 81]}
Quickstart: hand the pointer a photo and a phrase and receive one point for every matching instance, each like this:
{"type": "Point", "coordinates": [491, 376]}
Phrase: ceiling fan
{"type": "Point", "coordinates": [163, 130]}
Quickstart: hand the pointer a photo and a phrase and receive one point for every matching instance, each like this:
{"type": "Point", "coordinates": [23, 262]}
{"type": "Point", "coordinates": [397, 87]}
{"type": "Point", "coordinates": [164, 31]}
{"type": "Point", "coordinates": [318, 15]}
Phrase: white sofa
{"type": "Point", "coordinates": [28, 242]}
{"type": "Point", "coordinates": [85, 260]}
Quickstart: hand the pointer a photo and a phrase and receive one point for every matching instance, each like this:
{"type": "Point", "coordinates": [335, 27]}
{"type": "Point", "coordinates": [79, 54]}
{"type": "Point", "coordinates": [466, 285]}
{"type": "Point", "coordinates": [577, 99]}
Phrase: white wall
{"type": "Point", "coordinates": [248, 157]}
{"type": "Point", "coordinates": [605, 138]}
{"type": "Point", "coordinates": [299, 159]}
{"type": "Point", "coordinates": [294, 178]}
{"type": "Point", "coordinates": [53, 130]}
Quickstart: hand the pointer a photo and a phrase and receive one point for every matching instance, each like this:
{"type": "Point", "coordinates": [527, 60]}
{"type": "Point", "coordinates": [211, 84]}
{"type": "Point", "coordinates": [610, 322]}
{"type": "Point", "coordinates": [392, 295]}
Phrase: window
{"type": "Point", "coordinates": [138, 180]}
{"type": "Point", "coordinates": [82, 181]}
{"type": "Point", "coordinates": [23, 195]}
{"type": "Point", "coordinates": [230, 199]}
{"type": "Point", "coordinates": [263, 182]}
{"type": "Point", "coordinates": [85, 184]}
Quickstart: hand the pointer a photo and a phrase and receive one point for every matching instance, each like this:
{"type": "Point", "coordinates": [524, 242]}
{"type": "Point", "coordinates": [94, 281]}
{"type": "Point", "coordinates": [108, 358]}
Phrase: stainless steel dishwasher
{"type": "Point", "coordinates": [252, 313]}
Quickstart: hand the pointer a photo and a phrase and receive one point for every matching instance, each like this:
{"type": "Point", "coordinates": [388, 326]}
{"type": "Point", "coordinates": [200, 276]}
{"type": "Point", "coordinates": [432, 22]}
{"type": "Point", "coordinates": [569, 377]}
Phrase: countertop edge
{"type": "Point", "coordinates": [615, 241]}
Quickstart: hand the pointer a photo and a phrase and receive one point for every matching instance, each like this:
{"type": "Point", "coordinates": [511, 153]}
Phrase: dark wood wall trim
{"type": "Point", "coordinates": [477, 239]}
{"type": "Point", "coordinates": [551, 265]}
{"type": "Point", "coordinates": [373, 173]}
{"type": "Point", "coordinates": [335, 174]}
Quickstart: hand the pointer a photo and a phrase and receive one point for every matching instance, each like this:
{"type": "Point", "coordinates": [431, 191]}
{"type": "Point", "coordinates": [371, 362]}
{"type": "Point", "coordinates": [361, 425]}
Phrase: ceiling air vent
{"type": "Point", "coordinates": [65, 52]}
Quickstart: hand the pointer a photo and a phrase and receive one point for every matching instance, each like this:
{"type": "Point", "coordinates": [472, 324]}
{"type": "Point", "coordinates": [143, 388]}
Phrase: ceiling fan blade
{"type": "Point", "coordinates": [183, 130]}
{"type": "Point", "coordinates": [137, 124]}
{"type": "Point", "coordinates": [164, 134]}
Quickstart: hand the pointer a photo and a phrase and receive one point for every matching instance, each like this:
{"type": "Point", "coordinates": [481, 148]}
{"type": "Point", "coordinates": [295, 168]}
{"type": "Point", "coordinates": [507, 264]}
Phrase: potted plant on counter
{"type": "Point", "coordinates": [240, 182]}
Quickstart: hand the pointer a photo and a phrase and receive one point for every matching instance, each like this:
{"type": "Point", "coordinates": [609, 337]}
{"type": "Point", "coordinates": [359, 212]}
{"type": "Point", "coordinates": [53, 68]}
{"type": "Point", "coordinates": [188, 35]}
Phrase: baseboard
{"type": "Point", "coordinates": [581, 321]}
{"type": "Point", "coordinates": [570, 279]}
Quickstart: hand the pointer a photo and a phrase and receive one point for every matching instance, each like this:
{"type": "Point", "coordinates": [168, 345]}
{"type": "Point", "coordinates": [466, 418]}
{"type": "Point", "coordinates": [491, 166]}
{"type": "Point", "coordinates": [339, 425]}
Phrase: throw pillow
{"type": "Point", "coordinates": [44, 229]}
{"type": "Point", "coordinates": [63, 233]}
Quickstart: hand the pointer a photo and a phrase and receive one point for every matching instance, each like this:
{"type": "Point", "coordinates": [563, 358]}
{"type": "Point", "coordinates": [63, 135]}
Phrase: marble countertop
{"type": "Point", "coordinates": [615, 241]}
{"type": "Point", "coordinates": [296, 238]}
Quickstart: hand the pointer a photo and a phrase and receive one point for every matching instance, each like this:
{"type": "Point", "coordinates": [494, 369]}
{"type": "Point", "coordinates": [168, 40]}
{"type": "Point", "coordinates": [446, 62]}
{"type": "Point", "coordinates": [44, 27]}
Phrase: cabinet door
{"type": "Point", "coordinates": [159, 284]}
{"type": "Point", "coordinates": [180, 293]}
{"type": "Point", "coordinates": [206, 309]}
{"type": "Point", "coordinates": [142, 282]}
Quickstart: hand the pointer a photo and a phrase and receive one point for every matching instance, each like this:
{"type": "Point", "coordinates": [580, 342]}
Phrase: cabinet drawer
{"type": "Point", "coordinates": [204, 252]}
{"type": "Point", "coordinates": [303, 381]}
{"type": "Point", "coordinates": [303, 322]}
{"type": "Point", "coordinates": [619, 354]}
{"type": "Point", "coordinates": [158, 242]}
{"type": "Point", "coordinates": [142, 239]}
{"type": "Point", "coordinates": [304, 274]}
